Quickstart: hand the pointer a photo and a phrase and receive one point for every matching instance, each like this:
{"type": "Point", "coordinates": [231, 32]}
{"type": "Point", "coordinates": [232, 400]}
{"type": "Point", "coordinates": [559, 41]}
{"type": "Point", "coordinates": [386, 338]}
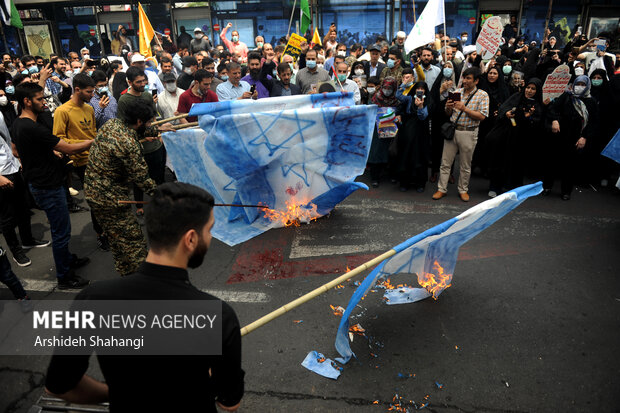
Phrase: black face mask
{"type": "Point", "coordinates": [198, 256]}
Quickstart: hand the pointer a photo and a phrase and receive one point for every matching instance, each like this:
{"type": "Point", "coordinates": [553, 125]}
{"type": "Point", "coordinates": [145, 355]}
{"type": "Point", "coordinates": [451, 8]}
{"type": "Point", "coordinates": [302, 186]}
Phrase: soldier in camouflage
{"type": "Point", "coordinates": [115, 162]}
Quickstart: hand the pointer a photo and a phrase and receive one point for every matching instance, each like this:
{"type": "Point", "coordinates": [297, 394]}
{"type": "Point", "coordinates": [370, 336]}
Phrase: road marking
{"type": "Point", "coordinates": [230, 296]}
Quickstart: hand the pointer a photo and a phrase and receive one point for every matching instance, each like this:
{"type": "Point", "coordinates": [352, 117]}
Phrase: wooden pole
{"type": "Point", "coordinates": [185, 125]}
{"type": "Point", "coordinates": [288, 33]}
{"type": "Point", "coordinates": [547, 21]}
{"type": "Point", "coordinates": [414, 18]}
{"type": "Point", "coordinates": [159, 122]}
{"type": "Point", "coordinates": [220, 205]}
{"type": "Point", "coordinates": [315, 293]}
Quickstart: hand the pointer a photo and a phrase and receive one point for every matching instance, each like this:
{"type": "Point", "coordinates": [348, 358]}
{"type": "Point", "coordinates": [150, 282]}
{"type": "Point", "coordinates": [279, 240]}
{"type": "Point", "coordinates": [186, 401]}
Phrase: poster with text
{"type": "Point", "coordinates": [556, 82]}
{"type": "Point", "coordinates": [490, 37]}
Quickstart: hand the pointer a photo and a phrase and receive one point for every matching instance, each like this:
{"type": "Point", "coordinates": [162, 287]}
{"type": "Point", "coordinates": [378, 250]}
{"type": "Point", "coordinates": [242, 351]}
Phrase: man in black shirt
{"type": "Point", "coordinates": [178, 220]}
{"type": "Point", "coordinates": [44, 171]}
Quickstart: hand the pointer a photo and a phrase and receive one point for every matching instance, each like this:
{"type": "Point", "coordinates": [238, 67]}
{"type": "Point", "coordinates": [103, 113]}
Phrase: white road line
{"type": "Point", "coordinates": [226, 295]}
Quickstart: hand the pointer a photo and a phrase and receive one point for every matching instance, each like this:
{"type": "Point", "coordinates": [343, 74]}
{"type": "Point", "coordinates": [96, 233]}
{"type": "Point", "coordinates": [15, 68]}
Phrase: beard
{"type": "Point", "coordinates": [198, 256]}
{"type": "Point", "coordinates": [254, 73]}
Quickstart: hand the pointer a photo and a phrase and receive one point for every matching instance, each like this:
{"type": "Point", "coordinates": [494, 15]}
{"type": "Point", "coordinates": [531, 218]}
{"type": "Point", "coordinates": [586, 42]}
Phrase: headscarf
{"type": "Point", "coordinates": [539, 84]}
{"type": "Point", "coordinates": [380, 99]}
{"type": "Point", "coordinates": [497, 90]}
{"type": "Point", "coordinates": [577, 101]}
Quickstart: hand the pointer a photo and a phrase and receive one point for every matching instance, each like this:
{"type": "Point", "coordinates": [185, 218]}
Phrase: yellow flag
{"type": "Point", "coordinates": [146, 33]}
{"type": "Point", "coordinates": [316, 39]}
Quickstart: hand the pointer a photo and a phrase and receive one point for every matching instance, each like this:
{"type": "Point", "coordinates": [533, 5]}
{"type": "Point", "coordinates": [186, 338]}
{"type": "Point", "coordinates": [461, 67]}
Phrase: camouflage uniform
{"type": "Point", "coordinates": [396, 73]}
{"type": "Point", "coordinates": [115, 162]}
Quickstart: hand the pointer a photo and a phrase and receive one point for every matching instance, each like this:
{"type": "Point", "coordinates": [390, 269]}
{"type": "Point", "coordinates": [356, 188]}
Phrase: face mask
{"type": "Point", "coordinates": [311, 64]}
{"type": "Point", "coordinates": [407, 85]}
{"type": "Point", "coordinates": [507, 69]}
{"type": "Point", "coordinates": [292, 66]}
{"type": "Point", "coordinates": [235, 39]}
{"type": "Point", "coordinates": [76, 71]}
{"type": "Point", "coordinates": [342, 78]}
{"type": "Point", "coordinates": [321, 57]}
{"type": "Point", "coordinates": [579, 90]}
{"type": "Point", "coordinates": [3, 100]}
{"type": "Point", "coordinates": [259, 44]}
{"type": "Point", "coordinates": [188, 70]}
{"type": "Point", "coordinates": [387, 92]}
{"type": "Point", "coordinates": [198, 36]}
{"type": "Point", "coordinates": [85, 57]}
{"type": "Point", "coordinates": [597, 82]}
{"type": "Point", "coordinates": [146, 88]}
{"type": "Point", "coordinates": [170, 87]}
{"type": "Point", "coordinates": [371, 90]}
{"type": "Point", "coordinates": [25, 72]}
{"type": "Point", "coordinates": [224, 78]}
{"type": "Point", "coordinates": [447, 72]}
{"type": "Point", "coordinates": [102, 90]}
{"type": "Point", "coordinates": [342, 53]}
{"type": "Point", "coordinates": [90, 72]}
{"type": "Point", "coordinates": [391, 63]}
{"type": "Point", "coordinates": [320, 65]}
{"type": "Point", "coordinates": [579, 71]}
{"type": "Point", "coordinates": [359, 72]}
{"type": "Point", "coordinates": [274, 73]}
{"type": "Point", "coordinates": [33, 69]}
{"type": "Point", "coordinates": [10, 89]}
{"type": "Point", "coordinates": [464, 39]}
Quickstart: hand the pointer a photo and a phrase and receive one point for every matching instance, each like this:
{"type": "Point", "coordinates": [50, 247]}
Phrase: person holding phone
{"type": "Point", "coordinates": [413, 139]}
{"type": "Point", "coordinates": [103, 102]}
{"type": "Point", "coordinates": [466, 115]}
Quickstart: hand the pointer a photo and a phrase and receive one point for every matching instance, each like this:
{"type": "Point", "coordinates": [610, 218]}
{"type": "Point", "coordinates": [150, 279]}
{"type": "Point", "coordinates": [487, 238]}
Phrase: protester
{"type": "Point", "coordinates": [280, 86]}
{"type": "Point", "coordinates": [200, 92]}
{"type": "Point", "coordinates": [394, 67]}
{"type": "Point", "coordinates": [178, 220]}
{"type": "Point", "coordinates": [254, 77]}
{"type": "Point", "coordinates": [44, 171]}
{"type": "Point", "coordinates": [200, 42]}
{"type": "Point", "coordinates": [234, 87]}
{"type": "Point", "coordinates": [190, 65]}
{"type": "Point", "coordinates": [168, 102]}
{"type": "Point", "coordinates": [235, 46]}
{"type": "Point", "coordinates": [103, 103]}
{"type": "Point", "coordinates": [310, 76]}
{"type": "Point", "coordinates": [347, 85]}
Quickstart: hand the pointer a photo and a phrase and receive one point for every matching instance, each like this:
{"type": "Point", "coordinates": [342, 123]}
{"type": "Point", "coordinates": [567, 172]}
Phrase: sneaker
{"type": "Point", "coordinates": [36, 243]}
{"type": "Point", "coordinates": [103, 243]}
{"type": "Point", "coordinates": [73, 192]}
{"type": "Point", "coordinates": [492, 194]}
{"type": "Point", "coordinates": [76, 208]}
{"type": "Point", "coordinates": [21, 259]}
{"type": "Point", "coordinates": [78, 262]}
{"type": "Point", "coordinates": [72, 281]}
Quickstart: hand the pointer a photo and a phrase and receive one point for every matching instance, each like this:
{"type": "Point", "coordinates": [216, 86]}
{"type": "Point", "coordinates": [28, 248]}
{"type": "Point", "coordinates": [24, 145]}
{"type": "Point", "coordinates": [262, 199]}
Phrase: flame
{"type": "Point", "coordinates": [295, 214]}
{"type": "Point", "coordinates": [436, 281]}
{"type": "Point", "coordinates": [348, 269]}
{"type": "Point", "coordinates": [358, 329]}
{"type": "Point", "coordinates": [339, 311]}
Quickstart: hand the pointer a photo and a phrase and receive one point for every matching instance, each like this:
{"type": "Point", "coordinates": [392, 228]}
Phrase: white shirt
{"type": "Point", "coordinates": [8, 163]}
{"type": "Point", "coordinates": [351, 86]}
{"type": "Point", "coordinates": [154, 82]}
{"type": "Point", "coordinates": [168, 103]}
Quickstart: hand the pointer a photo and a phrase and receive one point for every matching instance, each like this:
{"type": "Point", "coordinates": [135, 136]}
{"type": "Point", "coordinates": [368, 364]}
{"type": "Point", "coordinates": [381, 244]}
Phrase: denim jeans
{"type": "Point", "coordinates": [8, 277]}
{"type": "Point", "coordinates": [54, 203]}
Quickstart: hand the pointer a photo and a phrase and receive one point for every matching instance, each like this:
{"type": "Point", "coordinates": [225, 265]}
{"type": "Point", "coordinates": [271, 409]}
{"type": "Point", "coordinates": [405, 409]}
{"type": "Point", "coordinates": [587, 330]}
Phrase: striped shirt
{"type": "Point", "coordinates": [479, 103]}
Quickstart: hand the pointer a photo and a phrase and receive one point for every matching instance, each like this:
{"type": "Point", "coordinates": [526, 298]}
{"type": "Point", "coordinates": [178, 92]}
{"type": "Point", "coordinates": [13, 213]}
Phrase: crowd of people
{"type": "Point", "coordinates": [74, 117]}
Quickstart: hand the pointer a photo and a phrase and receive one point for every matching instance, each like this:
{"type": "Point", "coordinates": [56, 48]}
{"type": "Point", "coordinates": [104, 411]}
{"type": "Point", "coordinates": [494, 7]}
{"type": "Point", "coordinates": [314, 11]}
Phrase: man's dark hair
{"type": "Point", "coordinates": [340, 45]}
{"type": "Point", "coordinates": [279, 49]}
{"type": "Point", "coordinates": [254, 56]}
{"type": "Point", "coordinates": [326, 88]}
{"type": "Point", "coordinates": [207, 61]}
{"type": "Point", "coordinates": [356, 47]}
{"type": "Point", "coordinates": [472, 71]}
{"type": "Point", "coordinates": [374, 80]}
{"type": "Point", "coordinates": [407, 71]}
{"type": "Point", "coordinates": [165, 59]}
{"type": "Point", "coordinates": [27, 58]}
{"type": "Point", "coordinates": [232, 66]}
{"type": "Point", "coordinates": [133, 72]}
{"type": "Point", "coordinates": [19, 78]}
{"type": "Point", "coordinates": [26, 91]}
{"type": "Point", "coordinates": [283, 66]}
{"type": "Point", "coordinates": [134, 112]}
{"type": "Point", "coordinates": [83, 81]}
{"type": "Point", "coordinates": [55, 60]}
{"type": "Point", "coordinates": [428, 49]}
{"type": "Point", "coordinates": [99, 76]}
{"type": "Point", "coordinates": [340, 58]}
{"type": "Point", "coordinates": [202, 74]}
{"type": "Point", "coordinates": [221, 67]}
{"type": "Point", "coordinates": [38, 58]}
{"type": "Point", "coordinates": [396, 52]}
{"type": "Point", "coordinates": [174, 209]}
{"type": "Point", "coordinates": [182, 46]}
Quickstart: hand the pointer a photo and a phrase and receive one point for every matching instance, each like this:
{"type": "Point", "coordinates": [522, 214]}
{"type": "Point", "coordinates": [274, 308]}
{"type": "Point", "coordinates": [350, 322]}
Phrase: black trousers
{"type": "Point", "coordinates": [156, 161]}
{"type": "Point", "coordinates": [15, 212]}
{"type": "Point", "coordinates": [80, 170]}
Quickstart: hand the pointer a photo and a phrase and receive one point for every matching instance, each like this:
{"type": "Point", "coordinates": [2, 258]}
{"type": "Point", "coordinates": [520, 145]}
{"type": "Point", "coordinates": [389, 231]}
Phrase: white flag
{"type": "Point", "coordinates": [423, 32]}
{"type": "Point", "coordinates": [6, 11]}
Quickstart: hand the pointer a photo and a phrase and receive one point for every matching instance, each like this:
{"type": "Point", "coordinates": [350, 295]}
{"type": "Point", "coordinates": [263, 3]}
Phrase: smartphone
{"type": "Point", "coordinates": [154, 93]}
{"type": "Point", "coordinates": [454, 96]}
{"type": "Point", "coordinates": [580, 29]}
{"type": "Point", "coordinates": [253, 89]}
{"type": "Point", "coordinates": [419, 94]}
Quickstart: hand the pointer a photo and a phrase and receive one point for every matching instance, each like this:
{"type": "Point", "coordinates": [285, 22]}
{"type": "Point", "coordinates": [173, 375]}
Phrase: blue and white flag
{"type": "Point", "coordinates": [432, 256]}
{"type": "Point", "coordinates": [612, 150]}
{"type": "Point", "coordinates": [297, 153]}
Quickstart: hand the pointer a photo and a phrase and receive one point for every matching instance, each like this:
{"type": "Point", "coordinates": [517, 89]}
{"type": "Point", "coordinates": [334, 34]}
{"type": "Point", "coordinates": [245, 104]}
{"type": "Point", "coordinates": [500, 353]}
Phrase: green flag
{"type": "Point", "coordinates": [305, 20]}
{"type": "Point", "coordinates": [15, 20]}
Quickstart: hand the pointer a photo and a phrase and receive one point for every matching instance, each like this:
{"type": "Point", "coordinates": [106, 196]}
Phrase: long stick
{"type": "Point", "coordinates": [288, 33]}
{"type": "Point", "coordinates": [185, 125]}
{"type": "Point", "coordinates": [547, 20]}
{"type": "Point", "coordinates": [314, 293]}
{"type": "Point", "coordinates": [159, 122]}
{"type": "Point", "coordinates": [414, 18]}
{"type": "Point", "coordinates": [221, 205]}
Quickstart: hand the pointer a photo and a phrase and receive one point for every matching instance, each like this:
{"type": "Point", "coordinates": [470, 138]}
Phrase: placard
{"type": "Point", "coordinates": [293, 47]}
{"type": "Point", "coordinates": [556, 82]}
{"type": "Point", "coordinates": [490, 37]}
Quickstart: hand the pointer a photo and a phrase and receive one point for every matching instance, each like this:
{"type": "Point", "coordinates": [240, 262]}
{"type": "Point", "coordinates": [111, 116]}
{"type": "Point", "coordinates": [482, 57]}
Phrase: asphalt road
{"type": "Point", "coordinates": [530, 324]}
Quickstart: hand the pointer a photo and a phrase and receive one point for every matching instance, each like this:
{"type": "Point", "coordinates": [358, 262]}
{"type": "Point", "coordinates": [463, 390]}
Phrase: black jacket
{"type": "Point", "coordinates": [275, 86]}
{"type": "Point", "coordinates": [380, 67]}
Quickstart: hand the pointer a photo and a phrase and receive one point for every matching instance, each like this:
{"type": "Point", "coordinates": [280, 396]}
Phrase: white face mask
{"type": "Point", "coordinates": [579, 89]}
{"type": "Point", "coordinates": [3, 100]}
{"type": "Point", "coordinates": [359, 72]}
{"type": "Point", "coordinates": [171, 87]}
{"type": "Point", "coordinates": [387, 92]}
{"type": "Point", "coordinates": [321, 57]}
{"type": "Point", "coordinates": [342, 53]}
{"type": "Point", "coordinates": [188, 70]}
{"type": "Point", "coordinates": [579, 71]}
{"type": "Point", "coordinates": [371, 90]}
